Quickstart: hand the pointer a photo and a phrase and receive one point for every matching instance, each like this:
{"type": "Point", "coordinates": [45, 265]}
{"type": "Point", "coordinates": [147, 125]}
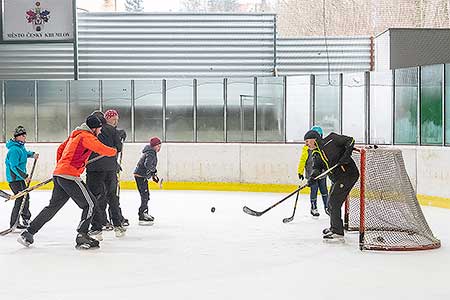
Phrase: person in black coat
{"type": "Point", "coordinates": [145, 170]}
{"type": "Point", "coordinates": [101, 178]}
{"type": "Point", "coordinates": [334, 149]}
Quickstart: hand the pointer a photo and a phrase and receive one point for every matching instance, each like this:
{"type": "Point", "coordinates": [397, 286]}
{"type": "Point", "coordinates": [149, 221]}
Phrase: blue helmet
{"type": "Point", "coordinates": [318, 129]}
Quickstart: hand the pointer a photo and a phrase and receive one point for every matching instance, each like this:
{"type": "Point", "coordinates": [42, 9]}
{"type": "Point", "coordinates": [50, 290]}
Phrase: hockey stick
{"type": "Point", "coordinates": [260, 213]}
{"type": "Point", "coordinates": [287, 220]}
{"type": "Point", "coordinates": [32, 188]}
{"type": "Point", "coordinates": [22, 205]}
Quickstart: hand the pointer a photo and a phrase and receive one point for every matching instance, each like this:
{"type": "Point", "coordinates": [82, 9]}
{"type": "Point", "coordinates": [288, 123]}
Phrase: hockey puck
{"type": "Point", "coordinates": [380, 239]}
{"type": "Point", "coordinates": [213, 209]}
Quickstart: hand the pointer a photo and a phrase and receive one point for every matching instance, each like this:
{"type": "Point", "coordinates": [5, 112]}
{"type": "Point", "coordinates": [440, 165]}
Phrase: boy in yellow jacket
{"type": "Point", "coordinates": [304, 171]}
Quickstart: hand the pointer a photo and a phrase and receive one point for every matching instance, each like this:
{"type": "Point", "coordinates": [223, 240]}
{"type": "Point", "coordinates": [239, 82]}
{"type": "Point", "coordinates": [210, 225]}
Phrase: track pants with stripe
{"type": "Point", "coordinates": [338, 193]}
{"type": "Point", "coordinates": [66, 187]}
{"type": "Point", "coordinates": [16, 187]}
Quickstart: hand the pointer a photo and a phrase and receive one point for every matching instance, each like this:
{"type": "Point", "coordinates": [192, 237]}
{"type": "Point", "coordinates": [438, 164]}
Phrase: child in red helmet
{"type": "Point", "coordinates": [146, 169]}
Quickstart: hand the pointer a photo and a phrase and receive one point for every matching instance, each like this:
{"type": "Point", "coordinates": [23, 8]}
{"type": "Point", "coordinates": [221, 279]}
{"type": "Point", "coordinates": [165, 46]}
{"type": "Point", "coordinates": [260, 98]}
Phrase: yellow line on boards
{"type": "Point", "coordinates": [239, 187]}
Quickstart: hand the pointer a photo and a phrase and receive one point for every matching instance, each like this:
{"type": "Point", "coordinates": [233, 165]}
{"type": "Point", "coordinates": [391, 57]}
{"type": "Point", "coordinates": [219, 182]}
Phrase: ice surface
{"type": "Point", "coordinates": [191, 253]}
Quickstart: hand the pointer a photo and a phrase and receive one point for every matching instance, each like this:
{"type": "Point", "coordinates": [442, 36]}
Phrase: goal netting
{"type": "Point", "coordinates": [383, 205]}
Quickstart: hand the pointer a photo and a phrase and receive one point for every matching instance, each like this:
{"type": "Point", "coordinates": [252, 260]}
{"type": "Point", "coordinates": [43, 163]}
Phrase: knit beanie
{"type": "Point", "coordinates": [93, 122]}
{"type": "Point", "coordinates": [155, 141]}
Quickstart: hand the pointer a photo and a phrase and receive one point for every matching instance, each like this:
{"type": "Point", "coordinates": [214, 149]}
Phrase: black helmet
{"type": "Point", "coordinates": [312, 134]}
{"type": "Point", "coordinates": [20, 130]}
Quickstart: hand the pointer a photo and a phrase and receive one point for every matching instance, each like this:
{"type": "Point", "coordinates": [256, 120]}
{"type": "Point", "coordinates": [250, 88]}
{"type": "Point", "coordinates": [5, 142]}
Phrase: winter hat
{"type": "Point", "coordinates": [312, 134]}
{"type": "Point", "coordinates": [93, 122]}
{"type": "Point", "coordinates": [20, 130]}
{"type": "Point", "coordinates": [99, 115]}
{"type": "Point", "coordinates": [110, 113]}
{"type": "Point", "coordinates": [155, 141]}
{"type": "Point", "coordinates": [318, 129]}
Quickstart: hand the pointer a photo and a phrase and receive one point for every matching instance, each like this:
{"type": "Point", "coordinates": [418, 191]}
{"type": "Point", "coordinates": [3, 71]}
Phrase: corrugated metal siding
{"type": "Point", "coordinates": [309, 55]}
{"type": "Point", "coordinates": [133, 46]}
{"type": "Point", "coordinates": [36, 61]}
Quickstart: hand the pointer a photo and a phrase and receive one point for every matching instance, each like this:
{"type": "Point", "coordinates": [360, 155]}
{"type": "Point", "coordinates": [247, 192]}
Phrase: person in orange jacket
{"type": "Point", "coordinates": [71, 158]}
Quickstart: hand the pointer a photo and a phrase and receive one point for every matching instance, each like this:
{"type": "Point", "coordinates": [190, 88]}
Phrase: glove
{"type": "Point", "coordinates": [344, 161]}
{"type": "Point", "coordinates": [122, 134]}
{"type": "Point", "coordinates": [155, 178]}
{"type": "Point", "coordinates": [300, 176]}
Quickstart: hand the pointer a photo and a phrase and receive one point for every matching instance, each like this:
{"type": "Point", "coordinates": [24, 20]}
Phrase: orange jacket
{"type": "Point", "coordinates": [73, 153]}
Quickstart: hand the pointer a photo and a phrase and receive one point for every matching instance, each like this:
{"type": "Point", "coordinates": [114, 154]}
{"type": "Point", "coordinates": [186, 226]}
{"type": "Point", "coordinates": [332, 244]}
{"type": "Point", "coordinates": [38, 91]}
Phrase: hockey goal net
{"type": "Point", "coordinates": [383, 205]}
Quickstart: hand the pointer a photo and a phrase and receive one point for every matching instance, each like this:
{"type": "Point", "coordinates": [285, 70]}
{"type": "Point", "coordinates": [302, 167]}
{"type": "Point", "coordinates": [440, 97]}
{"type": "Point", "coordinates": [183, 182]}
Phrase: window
{"type": "Point", "coordinates": [19, 96]}
{"type": "Point", "coordinates": [270, 109]}
{"type": "Point", "coordinates": [240, 104]}
{"type": "Point", "coordinates": [326, 114]}
{"type": "Point", "coordinates": [84, 99]}
{"type": "Point", "coordinates": [148, 109]}
{"type": "Point", "coordinates": [353, 104]}
{"type": "Point", "coordinates": [180, 111]}
{"type": "Point", "coordinates": [117, 96]}
{"type": "Point", "coordinates": [52, 111]}
{"type": "Point", "coordinates": [381, 107]}
{"type": "Point", "coordinates": [405, 114]}
{"type": "Point", "coordinates": [210, 108]}
{"type": "Point", "coordinates": [298, 94]}
{"type": "Point", "coordinates": [431, 105]}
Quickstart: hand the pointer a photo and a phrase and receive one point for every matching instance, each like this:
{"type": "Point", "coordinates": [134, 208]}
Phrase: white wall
{"type": "Point", "coordinates": [428, 167]}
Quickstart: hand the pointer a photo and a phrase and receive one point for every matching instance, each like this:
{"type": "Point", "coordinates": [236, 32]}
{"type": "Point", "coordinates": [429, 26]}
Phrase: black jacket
{"type": "Point", "coordinates": [335, 149]}
{"type": "Point", "coordinates": [111, 137]}
{"type": "Point", "coordinates": [146, 166]}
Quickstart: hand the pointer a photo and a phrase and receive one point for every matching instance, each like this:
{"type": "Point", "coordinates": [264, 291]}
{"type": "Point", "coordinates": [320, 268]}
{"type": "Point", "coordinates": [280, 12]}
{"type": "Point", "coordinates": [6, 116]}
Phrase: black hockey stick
{"type": "Point", "coordinates": [287, 220]}
{"type": "Point", "coordinates": [32, 188]}
{"type": "Point", "coordinates": [260, 213]}
{"type": "Point", "coordinates": [22, 205]}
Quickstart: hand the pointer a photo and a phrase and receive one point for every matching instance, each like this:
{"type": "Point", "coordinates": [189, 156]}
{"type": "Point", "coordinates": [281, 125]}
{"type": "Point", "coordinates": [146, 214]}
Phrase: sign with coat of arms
{"type": "Point", "coordinates": [37, 20]}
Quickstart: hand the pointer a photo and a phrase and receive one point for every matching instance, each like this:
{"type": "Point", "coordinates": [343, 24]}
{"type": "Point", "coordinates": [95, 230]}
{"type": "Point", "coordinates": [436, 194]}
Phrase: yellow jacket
{"type": "Point", "coordinates": [303, 159]}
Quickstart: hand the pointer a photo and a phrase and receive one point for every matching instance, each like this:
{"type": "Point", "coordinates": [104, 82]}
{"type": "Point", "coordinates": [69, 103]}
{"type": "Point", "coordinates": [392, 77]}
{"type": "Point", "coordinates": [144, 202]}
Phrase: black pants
{"type": "Point", "coordinates": [65, 188]}
{"type": "Point", "coordinates": [16, 187]}
{"type": "Point", "coordinates": [338, 193]}
{"type": "Point", "coordinates": [142, 185]}
{"type": "Point", "coordinates": [103, 186]}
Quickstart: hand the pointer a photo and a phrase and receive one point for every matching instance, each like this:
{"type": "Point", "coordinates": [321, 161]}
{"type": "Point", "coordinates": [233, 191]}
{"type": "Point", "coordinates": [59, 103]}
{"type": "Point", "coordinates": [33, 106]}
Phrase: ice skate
{"type": "Point", "coordinates": [331, 237]}
{"type": "Point", "coordinates": [125, 223]}
{"type": "Point", "coordinates": [314, 212]}
{"type": "Point", "coordinates": [25, 238]}
{"type": "Point", "coordinates": [145, 219]}
{"type": "Point", "coordinates": [119, 231]}
{"type": "Point", "coordinates": [108, 227]}
{"type": "Point", "coordinates": [84, 242]}
{"type": "Point", "coordinates": [96, 234]}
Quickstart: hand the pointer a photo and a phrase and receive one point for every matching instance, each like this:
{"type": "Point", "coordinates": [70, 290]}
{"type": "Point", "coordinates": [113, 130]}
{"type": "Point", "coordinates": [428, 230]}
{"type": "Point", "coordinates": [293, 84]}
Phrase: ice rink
{"type": "Point", "coordinates": [191, 253]}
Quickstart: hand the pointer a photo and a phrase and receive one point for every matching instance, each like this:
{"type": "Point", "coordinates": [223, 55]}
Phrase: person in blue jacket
{"type": "Point", "coordinates": [16, 174]}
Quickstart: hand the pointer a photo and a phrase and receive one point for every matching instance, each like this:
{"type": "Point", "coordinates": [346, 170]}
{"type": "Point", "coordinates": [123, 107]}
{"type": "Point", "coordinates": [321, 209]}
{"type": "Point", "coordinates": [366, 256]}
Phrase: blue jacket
{"type": "Point", "coordinates": [16, 161]}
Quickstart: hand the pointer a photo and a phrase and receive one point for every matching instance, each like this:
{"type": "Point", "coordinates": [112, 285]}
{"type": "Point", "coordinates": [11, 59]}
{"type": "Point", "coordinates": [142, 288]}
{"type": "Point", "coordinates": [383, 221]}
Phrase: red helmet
{"type": "Point", "coordinates": [110, 113]}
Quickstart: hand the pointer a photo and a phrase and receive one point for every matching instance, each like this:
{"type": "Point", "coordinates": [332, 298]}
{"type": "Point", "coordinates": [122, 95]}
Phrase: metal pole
{"type": "Point", "coordinates": [393, 107]}
{"type": "Point", "coordinates": [225, 105]}
{"type": "Point", "coordinates": [36, 90]}
{"type": "Point", "coordinates": [133, 131]}
{"type": "Point", "coordinates": [419, 104]}
{"type": "Point", "coordinates": [164, 103]}
{"type": "Point", "coordinates": [367, 108]}
{"type": "Point", "coordinates": [75, 40]}
{"type": "Point", "coordinates": [194, 95]}
{"type": "Point", "coordinates": [340, 101]}
{"type": "Point", "coordinates": [255, 109]}
{"type": "Point", "coordinates": [312, 101]}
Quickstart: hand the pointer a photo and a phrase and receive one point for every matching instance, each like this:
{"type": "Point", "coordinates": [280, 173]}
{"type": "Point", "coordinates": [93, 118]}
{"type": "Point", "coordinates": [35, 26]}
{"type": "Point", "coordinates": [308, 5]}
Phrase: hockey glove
{"type": "Point", "coordinates": [122, 134]}
{"type": "Point", "coordinates": [155, 178]}
{"type": "Point", "coordinates": [300, 176]}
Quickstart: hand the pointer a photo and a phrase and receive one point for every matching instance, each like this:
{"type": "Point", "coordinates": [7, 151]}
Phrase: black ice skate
{"type": "Point", "coordinates": [25, 238]}
{"type": "Point", "coordinates": [314, 212]}
{"type": "Point", "coordinates": [119, 231]}
{"type": "Point", "coordinates": [84, 242]}
{"type": "Point", "coordinates": [108, 227]}
{"type": "Point", "coordinates": [24, 225]}
{"type": "Point", "coordinates": [125, 223]}
{"type": "Point", "coordinates": [145, 219]}
{"type": "Point", "coordinates": [333, 237]}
